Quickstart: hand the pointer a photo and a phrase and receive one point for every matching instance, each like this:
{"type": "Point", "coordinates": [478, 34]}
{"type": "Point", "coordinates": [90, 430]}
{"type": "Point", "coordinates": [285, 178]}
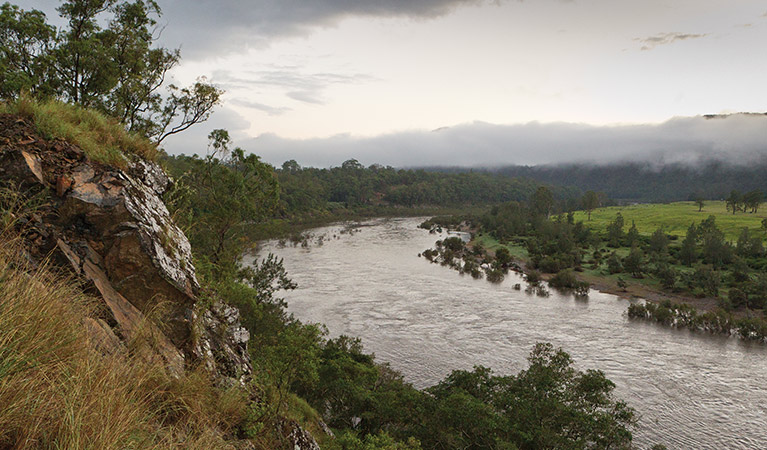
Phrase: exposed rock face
{"type": "Point", "coordinates": [298, 437]}
{"type": "Point", "coordinates": [110, 227]}
{"type": "Point", "coordinates": [223, 342]}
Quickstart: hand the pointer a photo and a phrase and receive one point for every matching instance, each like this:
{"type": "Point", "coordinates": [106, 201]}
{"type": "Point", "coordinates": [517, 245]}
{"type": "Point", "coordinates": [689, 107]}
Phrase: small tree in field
{"type": "Point", "coordinates": [590, 202]}
{"type": "Point", "coordinates": [700, 202]}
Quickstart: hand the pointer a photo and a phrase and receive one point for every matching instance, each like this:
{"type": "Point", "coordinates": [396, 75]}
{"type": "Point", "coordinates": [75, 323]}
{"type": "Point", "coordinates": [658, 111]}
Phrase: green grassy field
{"type": "Point", "coordinates": [675, 218]}
{"type": "Point", "coordinates": [490, 243]}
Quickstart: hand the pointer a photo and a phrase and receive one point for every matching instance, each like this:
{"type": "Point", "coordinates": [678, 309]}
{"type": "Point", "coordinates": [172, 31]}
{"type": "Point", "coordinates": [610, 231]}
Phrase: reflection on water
{"type": "Point", "coordinates": [692, 390]}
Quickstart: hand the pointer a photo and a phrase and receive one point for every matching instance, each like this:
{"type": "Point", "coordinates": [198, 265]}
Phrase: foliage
{"type": "Point", "coordinates": [659, 242]}
{"type": "Point", "coordinates": [634, 262]}
{"type": "Point", "coordinates": [615, 231]}
{"type": "Point", "coordinates": [216, 197]}
{"type": "Point", "coordinates": [614, 263]}
{"type": "Point", "coordinates": [305, 189]}
{"type": "Point", "coordinates": [25, 54]}
{"type": "Point", "coordinates": [646, 182]}
{"type": "Point", "coordinates": [348, 440]}
{"type": "Point", "coordinates": [503, 256]}
{"type": "Point", "coordinates": [564, 279]}
{"type": "Point", "coordinates": [718, 321]}
{"type": "Point", "coordinates": [703, 264]}
{"type": "Point", "coordinates": [590, 202]}
{"type": "Point", "coordinates": [548, 405]}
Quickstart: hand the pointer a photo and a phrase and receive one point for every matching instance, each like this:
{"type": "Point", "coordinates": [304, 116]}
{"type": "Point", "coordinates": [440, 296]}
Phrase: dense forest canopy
{"type": "Point", "coordinates": [306, 189]}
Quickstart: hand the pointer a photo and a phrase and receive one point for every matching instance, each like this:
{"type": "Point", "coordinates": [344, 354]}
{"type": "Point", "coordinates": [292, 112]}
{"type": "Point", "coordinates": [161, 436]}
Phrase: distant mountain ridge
{"type": "Point", "coordinates": [724, 116]}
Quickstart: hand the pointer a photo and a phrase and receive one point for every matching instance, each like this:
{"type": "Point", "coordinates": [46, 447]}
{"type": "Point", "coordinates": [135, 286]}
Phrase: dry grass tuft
{"type": "Point", "coordinates": [102, 138]}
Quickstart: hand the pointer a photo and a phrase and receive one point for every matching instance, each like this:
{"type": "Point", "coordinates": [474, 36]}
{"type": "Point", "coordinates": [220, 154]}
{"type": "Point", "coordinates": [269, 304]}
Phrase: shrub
{"type": "Point", "coordinates": [614, 264]}
{"type": "Point", "coordinates": [453, 243]}
{"type": "Point", "coordinates": [582, 288]}
{"type": "Point", "coordinates": [533, 277]}
{"type": "Point", "coordinates": [564, 279]}
{"type": "Point", "coordinates": [637, 311]}
{"type": "Point", "coordinates": [737, 298]}
{"type": "Point", "coordinates": [549, 265]}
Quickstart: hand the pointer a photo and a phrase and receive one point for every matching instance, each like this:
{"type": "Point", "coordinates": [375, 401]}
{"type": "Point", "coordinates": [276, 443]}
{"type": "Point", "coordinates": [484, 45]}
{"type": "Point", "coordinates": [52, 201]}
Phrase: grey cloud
{"type": "Point", "coordinates": [206, 25]}
{"type": "Point", "coordinates": [299, 86]}
{"type": "Point", "coordinates": [737, 138]}
{"type": "Point", "coordinates": [306, 97]}
{"type": "Point", "coordinates": [651, 42]}
{"type": "Point", "coordinates": [270, 110]}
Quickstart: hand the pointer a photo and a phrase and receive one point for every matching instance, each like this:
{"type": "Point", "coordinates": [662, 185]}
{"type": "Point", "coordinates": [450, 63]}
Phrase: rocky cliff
{"type": "Point", "coordinates": [109, 227]}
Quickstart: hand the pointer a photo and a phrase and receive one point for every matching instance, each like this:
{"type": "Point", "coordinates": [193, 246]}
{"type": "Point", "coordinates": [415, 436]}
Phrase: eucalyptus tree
{"type": "Point", "coordinates": [116, 68]}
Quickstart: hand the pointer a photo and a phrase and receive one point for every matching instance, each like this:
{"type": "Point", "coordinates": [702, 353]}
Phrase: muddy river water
{"type": "Point", "coordinates": [691, 390]}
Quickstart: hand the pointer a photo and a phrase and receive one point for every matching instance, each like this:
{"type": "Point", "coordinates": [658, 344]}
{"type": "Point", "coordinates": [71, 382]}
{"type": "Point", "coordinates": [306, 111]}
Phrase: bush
{"type": "Point", "coordinates": [564, 279]}
{"type": "Point", "coordinates": [752, 328]}
{"type": "Point", "coordinates": [549, 265]}
{"type": "Point", "coordinates": [637, 311]}
{"type": "Point", "coordinates": [533, 277]}
{"type": "Point", "coordinates": [453, 243]}
{"type": "Point", "coordinates": [494, 275]}
{"type": "Point", "coordinates": [737, 298]}
{"type": "Point", "coordinates": [502, 256]}
{"type": "Point", "coordinates": [582, 288]}
{"type": "Point", "coordinates": [614, 264]}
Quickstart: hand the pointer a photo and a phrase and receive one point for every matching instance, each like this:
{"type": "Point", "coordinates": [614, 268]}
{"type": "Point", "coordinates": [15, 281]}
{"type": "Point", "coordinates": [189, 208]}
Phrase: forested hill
{"type": "Point", "coordinates": [645, 182]}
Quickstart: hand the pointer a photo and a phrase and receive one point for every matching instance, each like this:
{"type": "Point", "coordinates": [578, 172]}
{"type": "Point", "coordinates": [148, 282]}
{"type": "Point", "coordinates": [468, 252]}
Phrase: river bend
{"type": "Point", "coordinates": [692, 390]}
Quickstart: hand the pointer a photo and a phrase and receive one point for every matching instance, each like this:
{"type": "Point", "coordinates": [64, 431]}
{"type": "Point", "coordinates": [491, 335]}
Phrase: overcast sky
{"type": "Point", "coordinates": [474, 82]}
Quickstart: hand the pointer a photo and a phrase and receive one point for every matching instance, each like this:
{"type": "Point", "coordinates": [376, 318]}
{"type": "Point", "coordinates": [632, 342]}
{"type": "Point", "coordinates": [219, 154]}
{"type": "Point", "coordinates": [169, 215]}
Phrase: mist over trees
{"type": "Point", "coordinates": [645, 182]}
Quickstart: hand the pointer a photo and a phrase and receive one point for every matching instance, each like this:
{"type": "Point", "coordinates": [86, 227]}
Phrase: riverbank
{"type": "Point", "coordinates": [287, 227]}
{"type": "Point", "coordinates": [634, 289]}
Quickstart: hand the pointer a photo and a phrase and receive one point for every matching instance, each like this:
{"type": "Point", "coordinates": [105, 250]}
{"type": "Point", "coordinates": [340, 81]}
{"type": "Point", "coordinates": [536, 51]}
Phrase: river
{"type": "Point", "coordinates": [691, 390]}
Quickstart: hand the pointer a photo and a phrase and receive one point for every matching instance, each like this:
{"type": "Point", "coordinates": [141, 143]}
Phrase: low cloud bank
{"type": "Point", "coordinates": [739, 139]}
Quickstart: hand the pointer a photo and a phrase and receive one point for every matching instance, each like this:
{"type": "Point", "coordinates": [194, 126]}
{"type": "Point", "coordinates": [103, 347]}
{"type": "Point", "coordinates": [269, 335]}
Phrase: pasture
{"type": "Point", "coordinates": [675, 218]}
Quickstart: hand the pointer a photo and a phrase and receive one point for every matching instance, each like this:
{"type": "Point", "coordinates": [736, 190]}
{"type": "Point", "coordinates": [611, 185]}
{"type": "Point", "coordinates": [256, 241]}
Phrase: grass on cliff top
{"type": "Point", "coordinates": [58, 392]}
{"type": "Point", "coordinates": [102, 138]}
{"type": "Point", "coordinates": [675, 218]}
